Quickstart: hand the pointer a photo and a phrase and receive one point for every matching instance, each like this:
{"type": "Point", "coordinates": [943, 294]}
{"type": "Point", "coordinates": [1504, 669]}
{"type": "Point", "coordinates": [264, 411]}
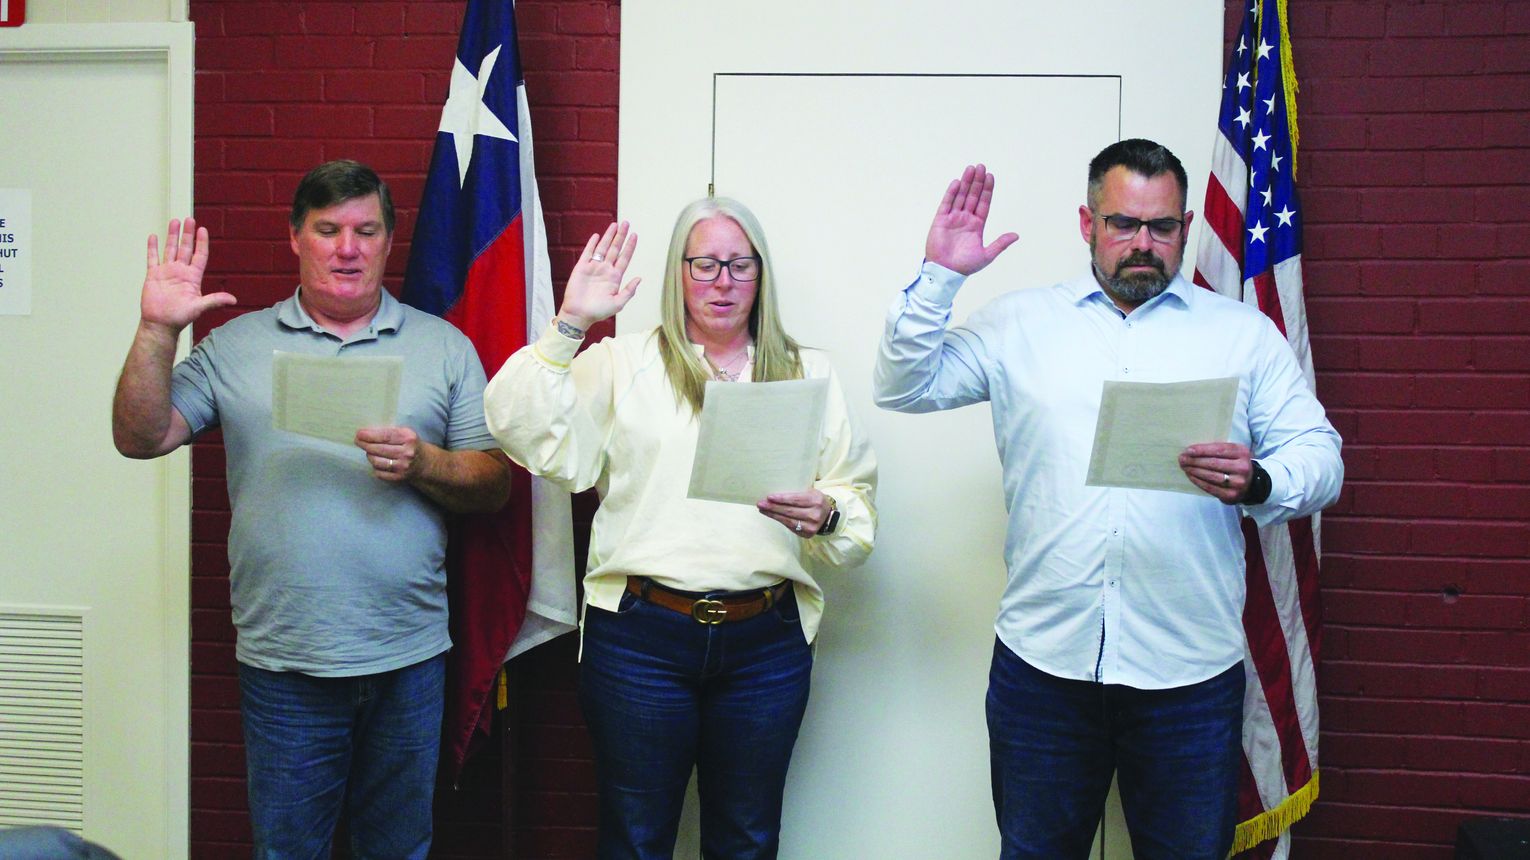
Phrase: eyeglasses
{"type": "Point", "coordinates": [1123, 227]}
{"type": "Point", "coordinates": [709, 268]}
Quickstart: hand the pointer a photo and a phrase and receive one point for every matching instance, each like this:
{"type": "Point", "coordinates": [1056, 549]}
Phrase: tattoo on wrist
{"type": "Point", "coordinates": [567, 330]}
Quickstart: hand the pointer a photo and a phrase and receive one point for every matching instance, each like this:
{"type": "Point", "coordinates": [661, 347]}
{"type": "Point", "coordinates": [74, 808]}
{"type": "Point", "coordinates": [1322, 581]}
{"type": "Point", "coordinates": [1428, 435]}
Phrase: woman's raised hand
{"type": "Point", "coordinates": [595, 290]}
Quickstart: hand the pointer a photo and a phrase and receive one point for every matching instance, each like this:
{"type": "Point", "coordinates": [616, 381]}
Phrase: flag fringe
{"type": "Point", "coordinates": [1288, 81]}
{"type": "Point", "coordinates": [1271, 823]}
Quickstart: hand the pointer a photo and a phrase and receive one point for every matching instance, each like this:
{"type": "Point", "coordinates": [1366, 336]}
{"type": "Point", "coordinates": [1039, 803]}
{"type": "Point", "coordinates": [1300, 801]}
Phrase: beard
{"type": "Point", "coordinates": [1137, 286]}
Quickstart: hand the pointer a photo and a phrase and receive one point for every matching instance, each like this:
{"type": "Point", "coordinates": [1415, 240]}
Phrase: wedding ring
{"type": "Point", "coordinates": [387, 465]}
{"type": "Point", "coordinates": [797, 527]}
{"type": "Point", "coordinates": [598, 258]}
{"type": "Point", "coordinates": [1226, 480]}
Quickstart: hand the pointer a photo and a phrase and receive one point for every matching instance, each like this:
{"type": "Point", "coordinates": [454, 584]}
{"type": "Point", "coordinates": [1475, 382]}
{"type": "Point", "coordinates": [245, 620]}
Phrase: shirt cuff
{"type": "Point", "coordinates": [554, 348]}
{"type": "Point", "coordinates": [937, 285]}
{"type": "Point", "coordinates": [1274, 508]}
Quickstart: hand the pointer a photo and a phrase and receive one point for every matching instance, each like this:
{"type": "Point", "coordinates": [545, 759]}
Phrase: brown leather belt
{"type": "Point", "coordinates": [707, 610]}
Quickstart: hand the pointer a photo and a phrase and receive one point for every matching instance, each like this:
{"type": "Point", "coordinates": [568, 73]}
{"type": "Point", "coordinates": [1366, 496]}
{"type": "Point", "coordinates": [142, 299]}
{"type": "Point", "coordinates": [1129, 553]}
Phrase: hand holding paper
{"type": "Point", "coordinates": [1222, 469]}
{"type": "Point", "coordinates": [1145, 428]}
{"type": "Point", "coordinates": [393, 452]}
{"type": "Point", "coordinates": [804, 512]}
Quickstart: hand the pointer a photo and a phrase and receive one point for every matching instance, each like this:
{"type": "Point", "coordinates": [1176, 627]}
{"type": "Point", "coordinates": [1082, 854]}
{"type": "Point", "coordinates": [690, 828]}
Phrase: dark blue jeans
{"type": "Point", "coordinates": [368, 742]}
{"type": "Point", "coordinates": [1054, 743]}
{"type": "Point", "coordinates": [663, 693]}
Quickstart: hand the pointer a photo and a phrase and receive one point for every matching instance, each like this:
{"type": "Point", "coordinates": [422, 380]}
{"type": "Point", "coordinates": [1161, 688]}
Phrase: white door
{"type": "Point", "coordinates": [95, 122]}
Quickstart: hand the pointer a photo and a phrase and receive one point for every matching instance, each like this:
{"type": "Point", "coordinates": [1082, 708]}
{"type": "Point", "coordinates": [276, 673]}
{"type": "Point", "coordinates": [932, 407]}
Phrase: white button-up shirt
{"type": "Point", "coordinates": [1120, 586]}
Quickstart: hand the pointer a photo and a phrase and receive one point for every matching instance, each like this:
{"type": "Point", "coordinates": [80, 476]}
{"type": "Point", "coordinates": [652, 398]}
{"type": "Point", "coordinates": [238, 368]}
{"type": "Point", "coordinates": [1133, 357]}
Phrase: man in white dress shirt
{"type": "Point", "coordinates": [1119, 645]}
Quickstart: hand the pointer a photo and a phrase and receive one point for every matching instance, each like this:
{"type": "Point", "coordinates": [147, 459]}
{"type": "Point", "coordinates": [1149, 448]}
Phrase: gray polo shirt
{"type": "Point", "coordinates": [334, 572]}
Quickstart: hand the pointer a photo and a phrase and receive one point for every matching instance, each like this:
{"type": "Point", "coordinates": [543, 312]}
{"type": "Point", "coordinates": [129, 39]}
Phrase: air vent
{"type": "Point", "coordinates": [42, 718]}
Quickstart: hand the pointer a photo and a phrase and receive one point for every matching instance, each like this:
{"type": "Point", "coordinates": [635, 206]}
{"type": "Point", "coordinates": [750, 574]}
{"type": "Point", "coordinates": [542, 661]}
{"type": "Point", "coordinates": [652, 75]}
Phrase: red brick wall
{"type": "Point", "coordinates": [1415, 120]}
{"type": "Point", "coordinates": [281, 86]}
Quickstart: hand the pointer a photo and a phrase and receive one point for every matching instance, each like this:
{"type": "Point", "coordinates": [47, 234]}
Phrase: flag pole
{"type": "Point", "coordinates": [509, 777]}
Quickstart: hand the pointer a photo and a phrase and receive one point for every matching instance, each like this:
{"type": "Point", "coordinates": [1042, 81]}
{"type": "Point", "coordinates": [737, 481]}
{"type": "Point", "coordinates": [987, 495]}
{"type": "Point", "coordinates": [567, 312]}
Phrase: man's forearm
{"type": "Point", "coordinates": [141, 410]}
{"type": "Point", "coordinates": [464, 481]}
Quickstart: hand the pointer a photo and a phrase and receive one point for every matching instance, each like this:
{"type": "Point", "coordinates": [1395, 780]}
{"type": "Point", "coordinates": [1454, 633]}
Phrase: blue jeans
{"type": "Point", "coordinates": [368, 742]}
{"type": "Point", "coordinates": [1054, 743]}
{"type": "Point", "coordinates": [663, 693]}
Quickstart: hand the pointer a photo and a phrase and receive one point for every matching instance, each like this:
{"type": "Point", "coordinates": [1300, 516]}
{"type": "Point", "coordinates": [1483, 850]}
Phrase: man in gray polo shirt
{"type": "Point", "coordinates": [336, 552]}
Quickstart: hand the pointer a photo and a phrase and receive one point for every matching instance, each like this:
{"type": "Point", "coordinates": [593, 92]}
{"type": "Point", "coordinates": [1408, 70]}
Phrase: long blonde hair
{"type": "Point", "coordinates": [776, 355]}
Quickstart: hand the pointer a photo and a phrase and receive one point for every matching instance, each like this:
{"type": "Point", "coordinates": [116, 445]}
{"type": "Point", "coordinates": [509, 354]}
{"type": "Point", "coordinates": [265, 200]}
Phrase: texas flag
{"type": "Point", "coordinates": [479, 259]}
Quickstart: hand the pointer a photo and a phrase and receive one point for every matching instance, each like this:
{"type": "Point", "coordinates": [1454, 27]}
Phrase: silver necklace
{"type": "Point", "coordinates": [728, 373]}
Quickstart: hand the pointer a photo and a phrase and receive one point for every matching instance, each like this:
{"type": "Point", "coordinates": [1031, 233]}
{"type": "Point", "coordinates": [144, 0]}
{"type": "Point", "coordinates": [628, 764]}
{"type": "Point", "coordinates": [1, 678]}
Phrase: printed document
{"type": "Point", "coordinates": [331, 398]}
{"type": "Point", "coordinates": [758, 438]}
{"type": "Point", "coordinates": [1143, 427]}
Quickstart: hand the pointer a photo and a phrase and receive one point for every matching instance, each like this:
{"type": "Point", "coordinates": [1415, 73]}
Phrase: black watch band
{"type": "Point", "coordinates": [831, 523]}
{"type": "Point", "coordinates": [1258, 486]}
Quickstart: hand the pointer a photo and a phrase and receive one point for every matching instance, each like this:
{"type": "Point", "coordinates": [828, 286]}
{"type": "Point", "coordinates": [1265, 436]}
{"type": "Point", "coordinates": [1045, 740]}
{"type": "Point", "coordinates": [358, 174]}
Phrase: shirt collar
{"type": "Point", "coordinates": [389, 316]}
{"type": "Point", "coordinates": [1085, 288]}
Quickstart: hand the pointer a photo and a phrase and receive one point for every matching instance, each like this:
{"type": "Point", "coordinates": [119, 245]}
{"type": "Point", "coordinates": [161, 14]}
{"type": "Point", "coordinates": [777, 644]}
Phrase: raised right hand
{"type": "Point", "coordinates": [172, 287]}
{"type": "Point", "coordinates": [956, 235]}
{"type": "Point", "coordinates": [595, 290]}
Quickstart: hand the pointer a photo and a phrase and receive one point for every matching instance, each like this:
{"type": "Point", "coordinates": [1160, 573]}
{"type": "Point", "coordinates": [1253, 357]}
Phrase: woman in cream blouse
{"type": "Point", "coordinates": [699, 615]}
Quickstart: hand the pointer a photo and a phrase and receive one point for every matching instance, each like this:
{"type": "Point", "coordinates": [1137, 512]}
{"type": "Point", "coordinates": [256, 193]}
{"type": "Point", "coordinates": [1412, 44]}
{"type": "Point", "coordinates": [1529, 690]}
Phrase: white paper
{"type": "Point", "coordinates": [758, 438]}
{"type": "Point", "coordinates": [328, 397]}
{"type": "Point", "coordinates": [1143, 427]}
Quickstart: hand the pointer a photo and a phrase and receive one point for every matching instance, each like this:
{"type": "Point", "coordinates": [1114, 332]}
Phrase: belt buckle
{"type": "Point", "coordinates": [709, 611]}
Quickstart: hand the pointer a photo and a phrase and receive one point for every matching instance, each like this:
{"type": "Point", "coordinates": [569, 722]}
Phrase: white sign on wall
{"type": "Point", "coordinates": [15, 252]}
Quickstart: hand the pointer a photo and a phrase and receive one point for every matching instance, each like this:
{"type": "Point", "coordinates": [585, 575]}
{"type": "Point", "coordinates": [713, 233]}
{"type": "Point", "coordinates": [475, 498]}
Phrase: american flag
{"type": "Point", "coordinates": [479, 259]}
{"type": "Point", "coordinates": [1250, 249]}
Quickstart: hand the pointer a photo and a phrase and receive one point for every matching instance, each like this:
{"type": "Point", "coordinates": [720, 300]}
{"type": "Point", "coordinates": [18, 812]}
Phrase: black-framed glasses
{"type": "Point", "coordinates": [709, 268]}
{"type": "Point", "coordinates": [1123, 227]}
